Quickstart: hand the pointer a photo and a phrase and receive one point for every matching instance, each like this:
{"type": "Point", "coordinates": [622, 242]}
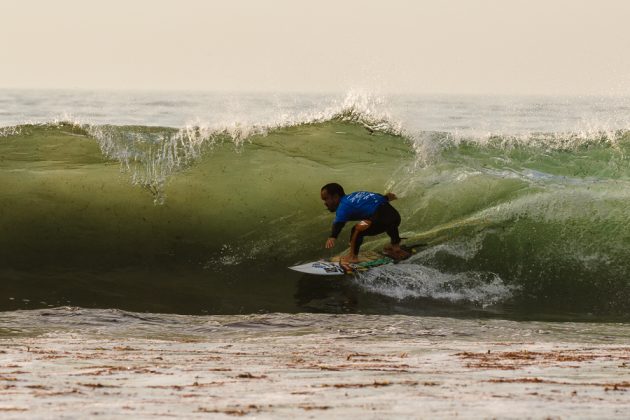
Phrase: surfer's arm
{"type": "Point", "coordinates": [336, 229]}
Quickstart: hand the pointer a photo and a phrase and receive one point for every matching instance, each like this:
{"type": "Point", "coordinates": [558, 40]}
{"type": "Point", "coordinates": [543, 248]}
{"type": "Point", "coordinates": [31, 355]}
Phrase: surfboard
{"type": "Point", "coordinates": [335, 267]}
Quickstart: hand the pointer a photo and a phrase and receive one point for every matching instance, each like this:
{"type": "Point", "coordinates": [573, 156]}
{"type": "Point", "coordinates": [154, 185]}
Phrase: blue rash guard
{"type": "Point", "coordinates": [358, 205]}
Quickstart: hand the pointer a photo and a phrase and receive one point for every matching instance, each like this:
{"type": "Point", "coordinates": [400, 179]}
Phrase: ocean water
{"type": "Point", "coordinates": [195, 203]}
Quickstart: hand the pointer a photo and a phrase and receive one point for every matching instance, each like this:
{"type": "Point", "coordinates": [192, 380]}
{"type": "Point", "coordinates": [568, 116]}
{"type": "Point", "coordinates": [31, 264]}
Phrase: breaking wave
{"type": "Point", "coordinates": [535, 219]}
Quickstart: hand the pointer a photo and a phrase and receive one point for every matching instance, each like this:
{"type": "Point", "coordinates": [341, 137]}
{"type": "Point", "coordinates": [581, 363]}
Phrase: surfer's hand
{"type": "Point", "coordinates": [330, 243]}
{"type": "Point", "coordinates": [391, 196]}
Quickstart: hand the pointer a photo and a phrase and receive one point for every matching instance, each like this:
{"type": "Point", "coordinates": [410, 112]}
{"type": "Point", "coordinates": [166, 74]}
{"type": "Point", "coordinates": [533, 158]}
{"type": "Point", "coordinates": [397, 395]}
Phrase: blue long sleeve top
{"type": "Point", "coordinates": [358, 205]}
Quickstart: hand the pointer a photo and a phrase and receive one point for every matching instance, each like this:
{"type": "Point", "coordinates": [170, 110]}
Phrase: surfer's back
{"type": "Point", "coordinates": [358, 205]}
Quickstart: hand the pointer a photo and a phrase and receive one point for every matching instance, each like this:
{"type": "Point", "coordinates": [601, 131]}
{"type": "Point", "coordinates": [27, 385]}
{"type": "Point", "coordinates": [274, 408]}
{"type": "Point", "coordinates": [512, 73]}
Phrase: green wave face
{"type": "Point", "coordinates": [192, 220]}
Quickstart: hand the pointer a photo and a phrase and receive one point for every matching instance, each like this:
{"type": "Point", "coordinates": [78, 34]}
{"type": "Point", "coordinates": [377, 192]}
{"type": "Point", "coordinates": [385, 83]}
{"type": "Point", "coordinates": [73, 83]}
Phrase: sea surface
{"type": "Point", "coordinates": [196, 203]}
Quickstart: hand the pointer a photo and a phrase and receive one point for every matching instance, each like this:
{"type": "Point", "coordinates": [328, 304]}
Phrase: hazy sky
{"type": "Point", "coordinates": [441, 46]}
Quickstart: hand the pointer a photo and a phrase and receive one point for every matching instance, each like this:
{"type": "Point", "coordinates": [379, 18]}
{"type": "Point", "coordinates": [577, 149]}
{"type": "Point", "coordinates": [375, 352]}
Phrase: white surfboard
{"type": "Point", "coordinates": [320, 268]}
{"type": "Point", "coordinates": [334, 267]}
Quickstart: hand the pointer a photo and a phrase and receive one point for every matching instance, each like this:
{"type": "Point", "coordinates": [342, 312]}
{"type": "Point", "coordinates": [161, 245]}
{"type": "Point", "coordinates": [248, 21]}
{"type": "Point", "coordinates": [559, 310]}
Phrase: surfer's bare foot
{"type": "Point", "coordinates": [396, 252]}
{"type": "Point", "coordinates": [350, 259]}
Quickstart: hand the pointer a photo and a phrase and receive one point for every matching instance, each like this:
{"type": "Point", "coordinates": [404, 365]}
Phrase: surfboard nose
{"type": "Point", "coordinates": [321, 268]}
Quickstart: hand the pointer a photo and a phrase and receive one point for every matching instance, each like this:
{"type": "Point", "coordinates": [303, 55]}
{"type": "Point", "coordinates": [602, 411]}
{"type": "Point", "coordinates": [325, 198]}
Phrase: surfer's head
{"type": "Point", "coordinates": [331, 195]}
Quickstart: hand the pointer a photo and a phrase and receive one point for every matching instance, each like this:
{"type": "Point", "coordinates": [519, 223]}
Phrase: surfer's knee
{"type": "Point", "coordinates": [362, 225]}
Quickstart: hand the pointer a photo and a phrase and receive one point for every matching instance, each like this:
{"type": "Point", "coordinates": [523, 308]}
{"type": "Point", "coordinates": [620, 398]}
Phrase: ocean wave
{"type": "Point", "coordinates": [541, 218]}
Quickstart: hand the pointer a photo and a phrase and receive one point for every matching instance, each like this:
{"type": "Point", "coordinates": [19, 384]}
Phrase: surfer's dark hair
{"type": "Point", "coordinates": [334, 188]}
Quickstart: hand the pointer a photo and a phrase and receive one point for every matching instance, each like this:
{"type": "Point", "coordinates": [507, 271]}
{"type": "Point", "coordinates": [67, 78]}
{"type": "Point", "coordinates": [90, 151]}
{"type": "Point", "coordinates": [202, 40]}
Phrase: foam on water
{"type": "Point", "coordinates": [404, 281]}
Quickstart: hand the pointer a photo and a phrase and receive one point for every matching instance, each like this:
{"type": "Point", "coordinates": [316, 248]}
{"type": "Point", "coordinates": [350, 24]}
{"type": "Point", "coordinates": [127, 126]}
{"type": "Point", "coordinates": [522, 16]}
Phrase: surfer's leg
{"type": "Point", "coordinates": [359, 231]}
{"type": "Point", "coordinates": [392, 232]}
{"type": "Point", "coordinates": [392, 227]}
{"type": "Point", "coordinates": [388, 218]}
{"type": "Point", "coordinates": [356, 240]}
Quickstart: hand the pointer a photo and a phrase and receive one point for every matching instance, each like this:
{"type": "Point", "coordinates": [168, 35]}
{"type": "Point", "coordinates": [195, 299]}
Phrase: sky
{"type": "Point", "coordinates": [493, 47]}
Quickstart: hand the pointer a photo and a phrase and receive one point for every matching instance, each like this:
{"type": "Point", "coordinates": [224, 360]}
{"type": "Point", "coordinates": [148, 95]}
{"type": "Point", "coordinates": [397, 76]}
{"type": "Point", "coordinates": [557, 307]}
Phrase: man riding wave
{"type": "Point", "coordinates": [375, 216]}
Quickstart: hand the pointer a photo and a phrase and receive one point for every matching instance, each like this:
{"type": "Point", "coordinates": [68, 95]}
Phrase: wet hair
{"type": "Point", "coordinates": [334, 188]}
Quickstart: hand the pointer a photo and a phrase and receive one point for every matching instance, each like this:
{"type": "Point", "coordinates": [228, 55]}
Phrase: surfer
{"type": "Point", "coordinates": [372, 210]}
